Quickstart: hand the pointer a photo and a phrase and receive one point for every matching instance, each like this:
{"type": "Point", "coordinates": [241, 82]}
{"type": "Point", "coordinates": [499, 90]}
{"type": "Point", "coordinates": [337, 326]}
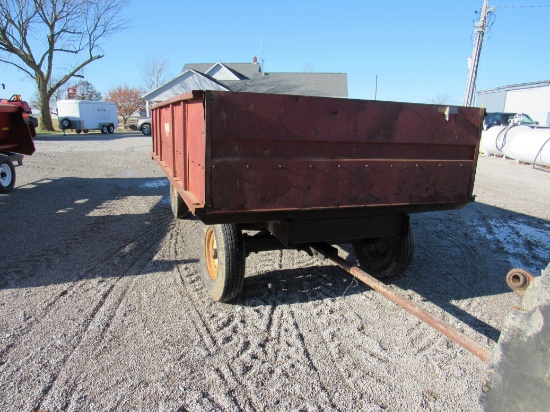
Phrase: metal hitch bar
{"type": "Point", "coordinates": [322, 250]}
{"type": "Point", "coordinates": [519, 280]}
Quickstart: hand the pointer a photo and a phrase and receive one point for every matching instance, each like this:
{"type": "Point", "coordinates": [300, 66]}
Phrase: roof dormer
{"type": "Point", "coordinates": [219, 71]}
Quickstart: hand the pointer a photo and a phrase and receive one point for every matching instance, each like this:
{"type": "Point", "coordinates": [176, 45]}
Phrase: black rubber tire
{"type": "Point", "coordinates": [179, 208]}
{"type": "Point", "coordinates": [78, 131]}
{"type": "Point", "coordinates": [85, 130]}
{"type": "Point", "coordinates": [65, 123]}
{"type": "Point", "coordinates": [104, 129]}
{"type": "Point", "coordinates": [146, 129]}
{"type": "Point", "coordinates": [7, 176]}
{"type": "Point", "coordinates": [385, 257]}
{"type": "Point", "coordinates": [111, 129]}
{"type": "Point", "coordinates": [228, 279]}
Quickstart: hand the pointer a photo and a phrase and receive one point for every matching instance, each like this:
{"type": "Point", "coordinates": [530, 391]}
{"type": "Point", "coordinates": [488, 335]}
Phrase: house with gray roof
{"type": "Point", "coordinates": [248, 77]}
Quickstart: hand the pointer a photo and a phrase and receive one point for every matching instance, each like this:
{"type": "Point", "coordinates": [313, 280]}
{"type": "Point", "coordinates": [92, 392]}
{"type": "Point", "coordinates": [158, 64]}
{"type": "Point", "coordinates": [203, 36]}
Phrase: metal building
{"type": "Point", "coordinates": [531, 98]}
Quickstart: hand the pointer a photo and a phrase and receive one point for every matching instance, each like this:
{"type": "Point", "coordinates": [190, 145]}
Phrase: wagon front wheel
{"type": "Point", "coordinates": [223, 261]}
{"type": "Point", "coordinates": [385, 257]}
{"type": "Point", "coordinates": [7, 176]}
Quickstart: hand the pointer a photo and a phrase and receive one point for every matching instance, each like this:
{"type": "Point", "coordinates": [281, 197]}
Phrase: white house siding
{"type": "Point", "coordinates": [220, 72]}
{"type": "Point", "coordinates": [186, 85]}
{"type": "Point", "coordinates": [183, 83]}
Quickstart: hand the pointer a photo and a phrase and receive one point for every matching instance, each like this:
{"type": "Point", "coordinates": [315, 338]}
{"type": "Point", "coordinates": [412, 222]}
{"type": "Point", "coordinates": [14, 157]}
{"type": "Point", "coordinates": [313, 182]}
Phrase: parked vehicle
{"type": "Point", "coordinates": [300, 170]}
{"type": "Point", "coordinates": [504, 119]}
{"type": "Point", "coordinates": [16, 132]}
{"type": "Point", "coordinates": [144, 125]}
{"type": "Point", "coordinates": [85, 115]}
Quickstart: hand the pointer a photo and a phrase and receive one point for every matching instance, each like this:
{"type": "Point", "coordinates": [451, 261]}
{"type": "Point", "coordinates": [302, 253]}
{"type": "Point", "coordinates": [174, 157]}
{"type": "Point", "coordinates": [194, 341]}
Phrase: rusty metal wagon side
{"type": "Point", "coordinates": [300, 170]}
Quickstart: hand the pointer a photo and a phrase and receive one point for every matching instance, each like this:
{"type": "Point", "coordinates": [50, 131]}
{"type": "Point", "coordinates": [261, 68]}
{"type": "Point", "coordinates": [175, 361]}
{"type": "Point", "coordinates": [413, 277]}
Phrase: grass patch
{"type": "Point", "coordinates": [43, 132]}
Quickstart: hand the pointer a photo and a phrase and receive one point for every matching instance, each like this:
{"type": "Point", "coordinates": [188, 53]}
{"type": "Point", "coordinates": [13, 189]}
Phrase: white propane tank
{"type": "Point", "coordinates": [489, 140]}
{"type": "Point", "coordinates": [529, 143]}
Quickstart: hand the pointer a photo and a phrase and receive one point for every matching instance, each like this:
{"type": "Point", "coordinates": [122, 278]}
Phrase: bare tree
{"type": "Point", "coordinates": [34, 32]}
{"type": "Point", "coordinates": [154, 72]}
{"type": "Point", "coordinates": [442, 99]}
{"type": "Point", "coordinates": [128, 101]}
{"type": "Point", "coordinates": [308, 67]}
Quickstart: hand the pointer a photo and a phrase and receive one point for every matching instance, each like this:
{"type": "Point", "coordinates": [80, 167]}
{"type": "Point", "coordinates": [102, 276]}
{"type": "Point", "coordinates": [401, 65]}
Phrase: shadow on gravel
{"type": "Point", "coordinates": [459, 255]}
{"type": "Point", "coordinates": [291, 286]}
{"type": "Point", "coordinates": [66, 229]}
{"type": "Point", "coordinates": [94, 136]}
{"type": "Point", "coordinates": [466, 254]}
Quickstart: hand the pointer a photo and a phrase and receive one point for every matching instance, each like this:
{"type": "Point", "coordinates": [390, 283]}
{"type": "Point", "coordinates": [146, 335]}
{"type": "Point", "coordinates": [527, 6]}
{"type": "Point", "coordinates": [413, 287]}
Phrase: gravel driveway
{"type": "Point", "coordinates": [103, 307]}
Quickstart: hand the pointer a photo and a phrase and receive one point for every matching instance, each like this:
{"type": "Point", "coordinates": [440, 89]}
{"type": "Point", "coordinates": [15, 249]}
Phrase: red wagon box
{"type": "Point", "coordinates": [301, 169]}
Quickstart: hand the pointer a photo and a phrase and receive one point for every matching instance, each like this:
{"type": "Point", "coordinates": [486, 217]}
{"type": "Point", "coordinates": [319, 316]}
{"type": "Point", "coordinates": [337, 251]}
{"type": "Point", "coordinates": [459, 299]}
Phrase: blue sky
{"type": "Point", "coordinates": [418, 49]}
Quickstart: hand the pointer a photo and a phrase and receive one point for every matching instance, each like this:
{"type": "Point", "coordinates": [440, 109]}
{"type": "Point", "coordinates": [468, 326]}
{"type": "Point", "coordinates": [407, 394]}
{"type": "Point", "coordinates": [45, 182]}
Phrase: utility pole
{"type": "Point", "coordinates": [376, 88]}
{"type": "Point", "coordinates": [479, 32]}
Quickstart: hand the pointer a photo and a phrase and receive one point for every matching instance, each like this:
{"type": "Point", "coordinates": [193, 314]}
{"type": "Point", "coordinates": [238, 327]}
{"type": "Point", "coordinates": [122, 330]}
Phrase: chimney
{"type": "Point", "coordinates": [255, 60]}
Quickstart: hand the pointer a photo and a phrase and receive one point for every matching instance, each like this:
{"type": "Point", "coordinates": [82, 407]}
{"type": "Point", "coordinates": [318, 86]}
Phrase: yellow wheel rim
{"type": "Point", "coordinates": [211, 251]}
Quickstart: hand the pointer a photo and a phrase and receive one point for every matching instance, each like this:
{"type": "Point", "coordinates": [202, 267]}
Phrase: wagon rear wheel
{"type": "Point", "coordinates": [179, 208]}
{"type": "Point", "coordinates": [385, 257]}
{"type": "Point", "coordinates": [7, 176]}
{"type": "Point", "coordinates": [223, 261]}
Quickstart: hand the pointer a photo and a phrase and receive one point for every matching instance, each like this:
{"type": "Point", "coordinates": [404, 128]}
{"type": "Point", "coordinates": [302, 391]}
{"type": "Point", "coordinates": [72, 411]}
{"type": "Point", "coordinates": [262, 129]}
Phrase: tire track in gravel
{"type": "Point", "coordinates": [219, 326]}
{"type": "Point", "coordinates": [66, 358]}
{"type": "Point", "coordinates": [350, 361]}
{"type": "Point", "coordinates": [99, 320]}
{"type": "Point", "coordinates": [266, 336]}
{"type": "Point", "coordinates": [287, 343]}
{"type": "Point", "coordinates": [241, 335]}
{"type": "Point", "coordinates": [47, 257]}
{"type": "Point", "coordinates": [366, 359]}
{"type": "Point", "coordinates": [127, 257]}
{"type": "Point", "coordinates": [92, 271]}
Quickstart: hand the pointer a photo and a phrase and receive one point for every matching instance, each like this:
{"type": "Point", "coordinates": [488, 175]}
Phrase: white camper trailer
{"type": "Point", "coordinates": [84, 115]}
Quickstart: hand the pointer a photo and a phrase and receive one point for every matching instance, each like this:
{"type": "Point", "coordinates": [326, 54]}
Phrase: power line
{"type": "Point", "coordinates": [520, 7]}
